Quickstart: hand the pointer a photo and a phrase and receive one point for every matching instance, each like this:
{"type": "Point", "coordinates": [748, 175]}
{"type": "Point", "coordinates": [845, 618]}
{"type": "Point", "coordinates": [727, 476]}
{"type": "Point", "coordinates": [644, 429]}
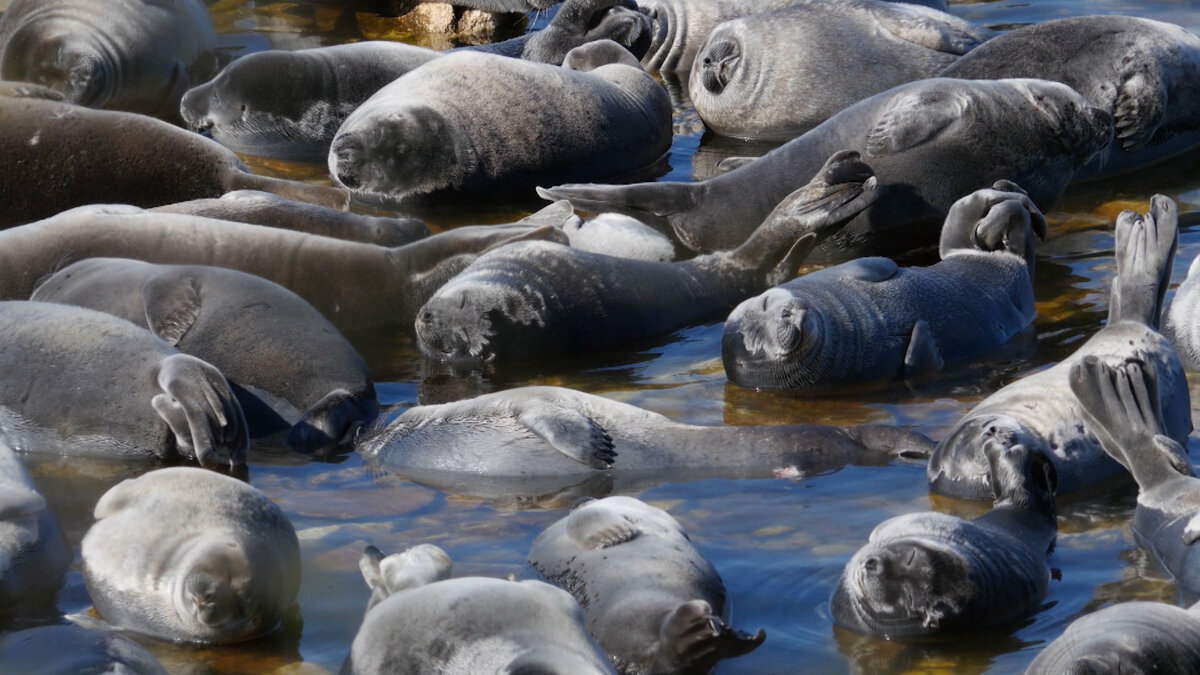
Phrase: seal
{"type": "Point", "coordinates": [420, 621]}
{"type": "Point", "coordinates": [1135, 637]}
{"type": "Point", "coordinates": [933, 574]}
{"type": "Point", "coordinates": [481, 124]}
{"type": "Point", "coordinates": [539, 299]}
{"type": "Point", "coordinates": [134, 55]}
{"type": "Point", "coordinates": [870, 320]}
{"type": "Point", "coordinates": [1180, 324]}
{"type": "Point", "coordinates": [290, 369]}
{"type": "Point", "coordinates": [61, 366]}
{"type": "Point", "coordinates": [1033, 133]}
{"type": "Point", "coordinates": [619, 236]}
{"type": "Point", "coordinates": [765, 76]}
{"type": "Point", "coordinates": [1040, 412]}
{"type": "Point", "coordinates": [188, 555]}
{"type": "Point", "coordinates": [1142, 72]}
{"type": "Point", "coordinates": [105, 157]}
{"type": "Point", "coordinates": [74, 649]}
{"type": "Point", "coordinates": [34, 554]}
{"type": "Point", "coordinates": [653, 602]}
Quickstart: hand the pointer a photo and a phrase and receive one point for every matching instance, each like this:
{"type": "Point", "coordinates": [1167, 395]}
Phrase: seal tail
{"type": "Point", "coordinates": [1145, 251]}
{"type": "Point", "coordinates": [653, 203]}
{"type": "Point", "coordinates": [321, 195]}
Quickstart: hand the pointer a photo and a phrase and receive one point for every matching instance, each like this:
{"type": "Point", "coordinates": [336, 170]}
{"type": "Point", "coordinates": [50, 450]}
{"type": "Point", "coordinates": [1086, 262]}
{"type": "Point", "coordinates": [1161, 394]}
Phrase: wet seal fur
{"type": "Point", "coordinates": [1129, 637]}
{"type": "Point", "coordinates": [74, 649]}
{"type": "Point", "coordinates": [34, 554]}
{"type": "Point", "coordinates": [652, 601]}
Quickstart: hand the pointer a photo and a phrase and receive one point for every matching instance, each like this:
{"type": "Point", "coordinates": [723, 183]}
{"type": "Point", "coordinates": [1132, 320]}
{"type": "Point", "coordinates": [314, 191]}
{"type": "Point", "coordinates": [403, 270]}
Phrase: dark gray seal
{"type": "Point", "coordinates": [871, 320]}
{"type": "Point", "coordinates": [62, 365]}
{"type": "Point", "coordinates": [134, 55]}
{"type": "Point", "coordinates": [931, 573]}
{"type": "Point", "coordinates": [1181, 322]}
{"type": "Point", "coordinates": [653, 602]}
{"type": "Point", "coordinates": [1145, 73]}
{"type": "Point", "coordinates": [189, 555]}
{"type": "Point", "coordinates": [58, 650]}
{"type": "Point", "coordinates": [930, 142]}
{"type": "Point", "coordinates": [1040, 412]}
{"type": "Point", "coordinates": [56, 155]}
{"type": "Point", "coordinates": [34, 554]}
{"type": "Point", "coordinates": [539, 299]}
{"type": "Point", "coordinates": [420, 621]}
{"type": "Point", "coordinates": [1130, 637]}
{"type": "Point", "coordinates": [290, 368]}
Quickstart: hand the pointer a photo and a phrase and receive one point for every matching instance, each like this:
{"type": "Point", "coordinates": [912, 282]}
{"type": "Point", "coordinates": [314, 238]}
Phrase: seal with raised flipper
{"type": "Point", "coordinates": [1129, 637]}
{"type": "Point", "coordinates": [34, 554]}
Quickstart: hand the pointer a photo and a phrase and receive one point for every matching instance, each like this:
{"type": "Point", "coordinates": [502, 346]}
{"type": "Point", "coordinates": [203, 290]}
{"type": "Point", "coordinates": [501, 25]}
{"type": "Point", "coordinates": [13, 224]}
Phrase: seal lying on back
{"type": "Point", "coordinates": [189, 555]}
{"type": "Point", "coordinates": [871, 320]}
{"type": "Point", "coordinates": [652, 601]}
{"type": "Point", "coordinates": [134, 55]}
{"type": "Point", "coordinates": [73, 649]}
{"type": "Point", "coordinates": [1130, 637]}
{"type": "Point", "coordinates": [34, 555]}
{"type": "Point", "coordinates": [291, 369]}
{"type": "Point", "coordinates": [1040, 412]}
{"type": "Point", "coordinates": [421, 621]}
{"type": "Point", "coordinates": [60, 367]}
{"type": "Point", "coordinates": [56, 155]}
{"type": "Point", "coordinates": [540, 299]}
{"type": "Point", "coordinates": [930, 573]}
{"type": "Point", "coordinates": [473, 123]}
{"type": "Point", "coordinates": [1145, 73]}
{"type": "Point", "coordinates": [766, 76]}
{"type": "Point", "coordinates": [934, 140]}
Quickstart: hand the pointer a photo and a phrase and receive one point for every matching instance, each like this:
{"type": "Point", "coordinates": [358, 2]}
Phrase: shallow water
{"type": "Point", "coordinates": [779, 544]}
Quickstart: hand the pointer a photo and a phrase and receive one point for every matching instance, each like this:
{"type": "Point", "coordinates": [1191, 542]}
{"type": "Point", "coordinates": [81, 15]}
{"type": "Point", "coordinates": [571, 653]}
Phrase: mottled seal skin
{"type": "Point", "coordinates": [1181, 322]}
{"type": "Point", "coordinates": [189, 555]}
{"type": "Point", "coordinates": [420, 621]}
{"type": "Point", "coordinates": [538, 299]}
{"type": "Point", "coordinates": [919, 141]}
{"type": "Point", "coordinates": [1040, 412]}
{"type": "Point", "coordinates": [49, 650]}
{"type": "Point", "coordinates": [871, 320]}
{"type": "Point", "coordinates": [653, 602]}
{"type": "Point", "coordinates": [930, 573]}
{"type": "Point", "coordinates": [104, 157]}
{"type": "Point", "coordinates": [34, 555]}
{"type": "Point", "coordinates": [1130, 637]}
{"type": "Point", "coordinates": [481, 124]}
{"type": "Point", "coordinates": [134, 55]}
{"type": "Point", "coordinates": [62, 365]}
{"type": "Point", "coordinates": [766, 76]}
{"type": "Point", "coordinates": [291, 369]}
{"type": "Point", "coordinates": [1145, 73]}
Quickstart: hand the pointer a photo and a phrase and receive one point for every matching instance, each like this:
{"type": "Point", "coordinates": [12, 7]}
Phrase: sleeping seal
{"type": "Point", "coordinates": [420, 621]}
{"type": "Point", "coordinates": [1130, 637]}
{"type": "Point", "coordinates": [189, 555]}
{"type": "Point", "coordinates": [48, 650]}
{"type": "Point", "coordinates": [652, 601]}
{"type": "Point", "coordinates": [34, 554]}
{"type": "Point", "coordinates": [60, 367]}
{"type": "Point", "coordinates": [933, 141]}
{"type": "Point", "coordinates": [871, 320]}
{"type": "Point", "coordinates": [1040, 412]}
{"type": "Point", "coordinates": [931, 573]}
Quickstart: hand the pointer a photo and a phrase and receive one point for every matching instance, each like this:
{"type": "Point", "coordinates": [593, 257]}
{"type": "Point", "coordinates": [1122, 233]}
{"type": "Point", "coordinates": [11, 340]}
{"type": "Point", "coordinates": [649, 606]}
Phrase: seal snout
{"type": "Point", "coordinates": [451, 329]}
{"type": "Point", "coordinates": [193, 108]}
{"type": "Point", "coordinates": [345, 158]}
{"type": "Point", "coordinates": [719, 62]}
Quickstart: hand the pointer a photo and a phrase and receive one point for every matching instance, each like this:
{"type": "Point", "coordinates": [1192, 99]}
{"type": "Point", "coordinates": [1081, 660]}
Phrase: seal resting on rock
{"type": "Point", "coordinates": [34, 555]}
{"type": "Point", "coordinates": [1130, 637]}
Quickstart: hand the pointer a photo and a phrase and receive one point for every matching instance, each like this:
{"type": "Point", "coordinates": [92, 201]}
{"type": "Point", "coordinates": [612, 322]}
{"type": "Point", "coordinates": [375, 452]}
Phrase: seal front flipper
{"type": "Point", "coordinates": [1140, 107]}
{"type": "Point", "coordinates": [730, 163]}
{"type": "Point", "coordinates": [573, 434]}
{"type": "Point", "coordinates": [333, 421]}
{"type": "Point", "coordinates": [557, 215]}
{"type": "Point", "coordinates": [201, 411]}
{"type": "Point", "coordinates": [914, 118]}
{"type": "Point", "coordinates": [869, 269]}
{"type": "Point", "coordinates": [922, 355]}
{"type": "Point", "coordinates": [930, 31]}
{"type": "Point", "coordinates": [594, 525]}
{"type": "Point", "coordinates": [692, 640]}
{"type": "Point", "coordinates": [172, 303]}
{"type": "Point", "coordinates": [1145, 249]}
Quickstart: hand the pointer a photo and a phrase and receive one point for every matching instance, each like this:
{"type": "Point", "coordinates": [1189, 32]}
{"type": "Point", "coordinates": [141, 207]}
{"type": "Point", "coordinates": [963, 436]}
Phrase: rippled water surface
{"type": "Point", "coordinates": [778, 544]}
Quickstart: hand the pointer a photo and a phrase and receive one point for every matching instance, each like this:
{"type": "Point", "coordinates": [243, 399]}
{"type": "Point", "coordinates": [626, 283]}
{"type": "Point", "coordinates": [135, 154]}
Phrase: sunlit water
{"type": "Point", "coordinates": [778, 544]}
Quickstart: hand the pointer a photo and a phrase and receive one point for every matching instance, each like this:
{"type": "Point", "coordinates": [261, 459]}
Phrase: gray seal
{"type": "Point", "coordinates": [1033, 133]}
{"type": "Point", "coordinates": [34, 554]}
{"type": "Point", "coordinates": [934, 574]}
{"type": "Point", "coordinates": [289, 367]}
{"type": "Point", "coordinates": [539, 299]}
{"type": "Point", "coordinates": [1181, 322]}
{"type": "Point", "coordinates": [1142, 72]}
{"type": "Point", "coordinates": [871, 320]}
{"type": "Point", "coordinates": [52, 650]}
{"type": "Point", "coordinates": [1130, 637]}
{"type": "Point", "coordinates": [482, 124]}
{"type": "Point", "coordinates": [61, 366]}
{"type": "Point", "coordinates": [653, 602]}
{"type": "Point", "coordinates": [1040, 412]}
{"type": "Point", "coordinates": [421, 621]}
{"type": "Point", "coordinates": [189, 555]}
{"type": "Point", "coordinates": [134, 55]}
{"type": "Point", "coordinates": [766, 76]}
{"type": "Point", "coordinates": [56, 155]}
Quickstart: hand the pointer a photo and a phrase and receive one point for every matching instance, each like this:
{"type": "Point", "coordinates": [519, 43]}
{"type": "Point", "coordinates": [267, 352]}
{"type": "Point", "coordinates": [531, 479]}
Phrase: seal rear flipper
{"type": "Point", "coordinates": [913, 118]}
{"type": "Point", "coordinates": [1140, 107]}
{"type": "Point", "coordinates": [573, 434]}
{"type": "Point", "coordinates": [1145, 249]}
{"type": "Point", "coordinates": [596, 525]}
{"type": "Point", "coordinates": [331, 423]}
{"type": "Point", "coordinates": [891, 440]}
{"type": "Point", "coordinates": [692, 640]}
{"type": "Point", "coordinates": [201, 411]}
{"type": "Point", "coordinates": [922, 355]}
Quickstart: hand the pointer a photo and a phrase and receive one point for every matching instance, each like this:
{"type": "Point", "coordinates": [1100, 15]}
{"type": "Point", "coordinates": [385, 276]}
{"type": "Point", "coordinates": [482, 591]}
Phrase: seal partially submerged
{"type": "Point", "coordinates": [1130, 637]}
{"type": "Point", "coordinates": [34, 555]}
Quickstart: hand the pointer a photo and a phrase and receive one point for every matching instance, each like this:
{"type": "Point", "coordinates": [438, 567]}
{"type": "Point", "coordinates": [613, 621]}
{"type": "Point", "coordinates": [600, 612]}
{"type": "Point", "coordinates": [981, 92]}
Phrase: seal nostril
{"type": "Point", "coordinates": [871, 564]}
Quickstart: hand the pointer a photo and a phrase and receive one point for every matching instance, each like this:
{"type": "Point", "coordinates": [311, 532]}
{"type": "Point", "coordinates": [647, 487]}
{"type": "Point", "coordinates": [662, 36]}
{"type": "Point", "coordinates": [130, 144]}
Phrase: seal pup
{"type": "Point", "coordinates": [1181, 324]}
{"type": "Point", "coordinates": [766, 76]}
{"type": "Point", "coordinates": [652, 601]}
{"type": "Point", "coordinates": [1129, 637]}
{"type": "Point", "coordinates": [60, 367]}
{"type": "Point", "coordinates": [419, 620]}
{"type": "Point", "coordinates": [482, 124]}
{"type": "Point", "coordinates": [620, 236]}
{"type": "Point", "coordinates": [34, 554]}
{"type": "Point", "coordinates": [133, 55]}
{"type": "Point", "coordinates": [1142, 72]}
{"type": "Point", "coordinates": [871, 320]}
{"type": "Point", "coordinates": [931, 573]}
{"type": "Point", "coordinates": [74, 649]}
{"type": "Point", "coordinates": [289, 367]}
{"type": "Point", "coordinates": [537, 299]}
{"type": "Point", "coordinates": [105, 157]}
{"type": "Point", "coordinates": [1040, 412]}
{"type": "Point", "coordinates": [918, 140]}
{"type": "Point", "coordinates": [189, 555]}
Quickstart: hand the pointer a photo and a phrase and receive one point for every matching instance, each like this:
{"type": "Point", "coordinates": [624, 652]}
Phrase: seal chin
{"type": "Point", "coordinates": [765, 339]}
